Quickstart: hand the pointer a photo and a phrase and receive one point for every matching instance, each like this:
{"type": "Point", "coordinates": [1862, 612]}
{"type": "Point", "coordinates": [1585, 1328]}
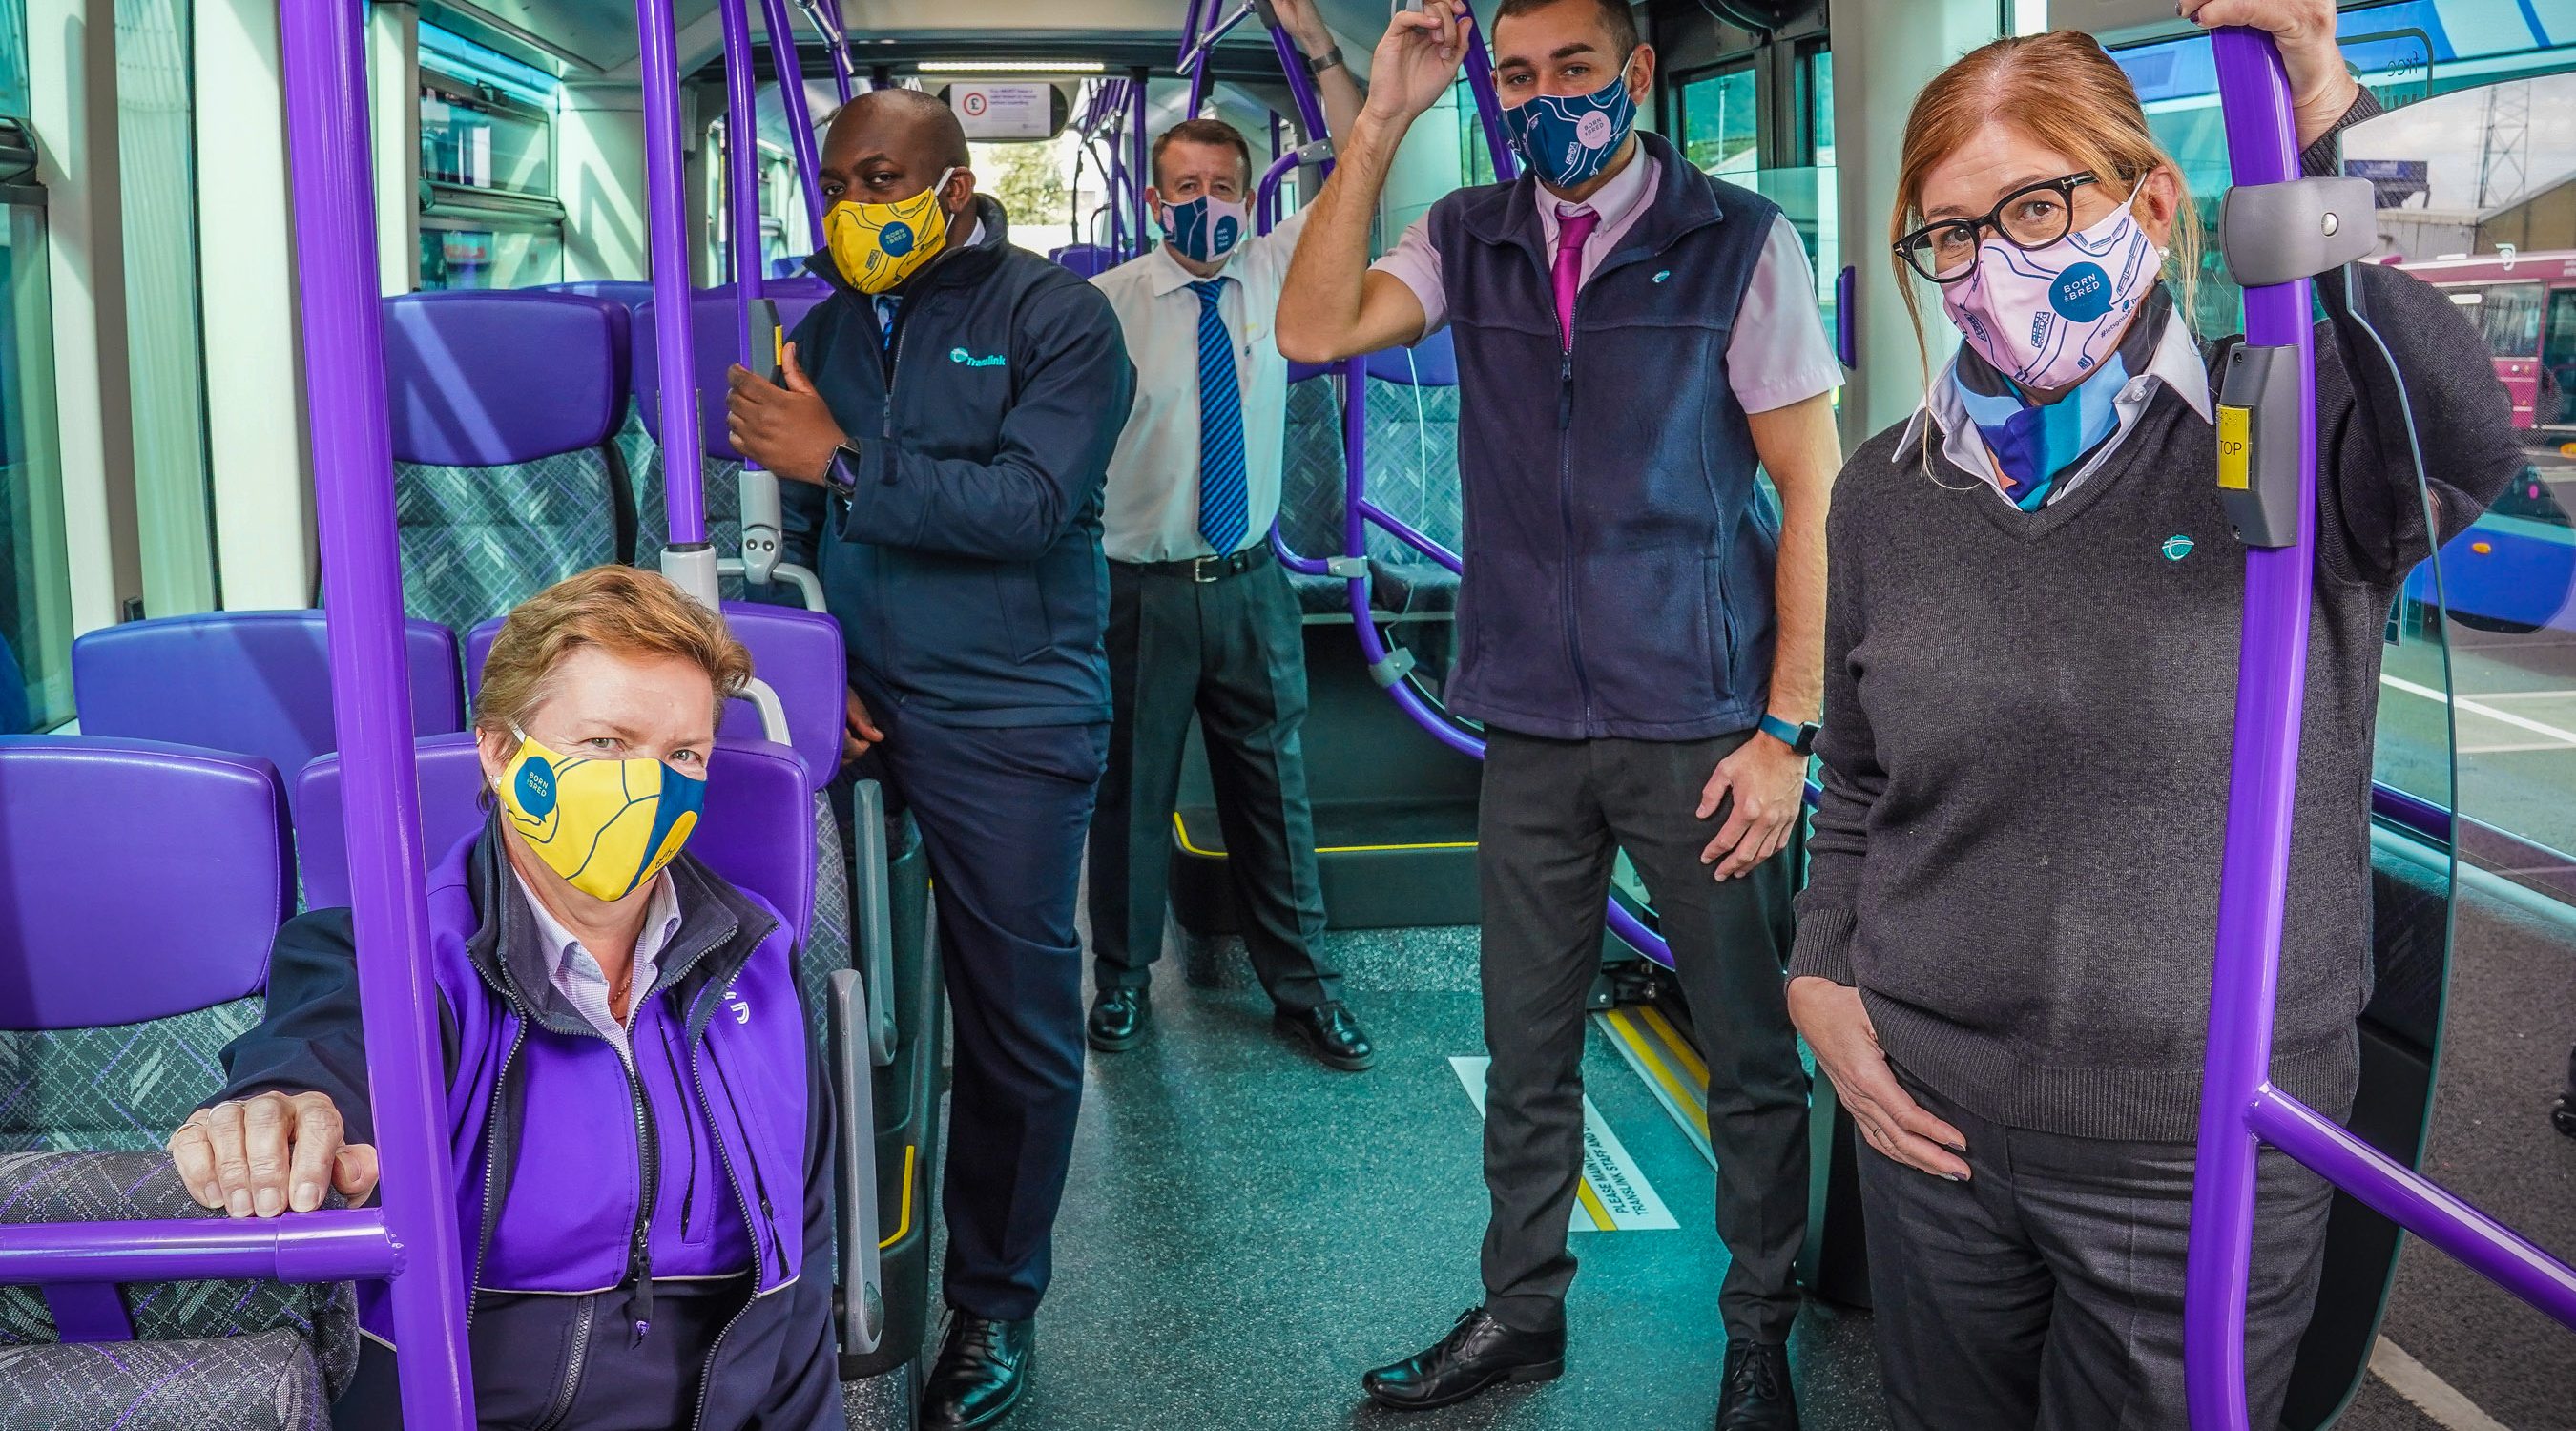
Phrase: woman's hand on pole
{"type": "Point", "coordinates": [273, 1153]}
{"type": "Point", "coordinates": [1831, 1018]}
{"type": "Point", "coordinates": [2321, 87]}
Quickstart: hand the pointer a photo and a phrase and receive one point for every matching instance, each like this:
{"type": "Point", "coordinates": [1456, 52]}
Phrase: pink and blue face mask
{"type": "Point", "coordinates": [2047, 317]}
{"type": "Point", "coordinates": [1206, 228]}
{"type": "Point", "coordinates": [1567, 139]}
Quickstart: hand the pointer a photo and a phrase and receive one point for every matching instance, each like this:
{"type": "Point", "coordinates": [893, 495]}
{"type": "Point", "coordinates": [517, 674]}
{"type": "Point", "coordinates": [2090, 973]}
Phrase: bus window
{"type": "Point", "coordinates": [487, 162]}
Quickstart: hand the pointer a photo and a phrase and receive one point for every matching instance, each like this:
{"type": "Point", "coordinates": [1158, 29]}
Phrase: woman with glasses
{"type": "Point", "coordinates": [2003, 953]}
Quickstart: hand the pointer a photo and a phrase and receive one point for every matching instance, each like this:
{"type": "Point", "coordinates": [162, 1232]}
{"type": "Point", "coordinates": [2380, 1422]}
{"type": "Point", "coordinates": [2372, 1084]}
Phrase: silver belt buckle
{"type": "Point", "coordinates": [1207, 569]}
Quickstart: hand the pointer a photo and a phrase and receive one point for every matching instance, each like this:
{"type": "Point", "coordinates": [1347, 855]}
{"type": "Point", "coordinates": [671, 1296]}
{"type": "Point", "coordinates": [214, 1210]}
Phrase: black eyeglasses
{"type": "Point", "coordinates": [2032, 216]}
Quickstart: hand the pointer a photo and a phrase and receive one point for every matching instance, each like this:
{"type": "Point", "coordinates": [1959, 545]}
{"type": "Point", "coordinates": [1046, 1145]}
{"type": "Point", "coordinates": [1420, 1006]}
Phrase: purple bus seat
{"type": "Point", "coordinates": [501, 408]}
{"type": "Point", "coordinates": [140, 884]}
{"type": "Point", "coordinates": [627, 293]}
{"type": "Point", "coordinates": [1430, 363]}
{"type": "Point", "coordinates": [799, 653]}
{"type": "Point", "coordinates": [757, 829]}
{"type": "Point", "coordinates": [256, 682]}
{"type": "Point", "coordinates": [716, 327]}
{"type": "Point", "coordinates": [1088, 259]}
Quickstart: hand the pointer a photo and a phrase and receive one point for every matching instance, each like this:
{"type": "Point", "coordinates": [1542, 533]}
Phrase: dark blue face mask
{"type": "Point", "coordinates": [1567, 140]}
{"type": "Point", "coordinates": [1206, 228]}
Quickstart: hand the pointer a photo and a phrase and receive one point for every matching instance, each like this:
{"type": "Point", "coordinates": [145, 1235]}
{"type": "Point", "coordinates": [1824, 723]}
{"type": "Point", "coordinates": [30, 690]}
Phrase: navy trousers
{"type": "Point", "coordinates": [1002, 813]}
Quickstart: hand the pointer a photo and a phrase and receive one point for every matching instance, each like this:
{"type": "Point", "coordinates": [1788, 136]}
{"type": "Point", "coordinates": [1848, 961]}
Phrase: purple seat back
{"type": "Point", "coordinates": [719, 337]}
{"type": "Point", "coordinates": [489, 379]}
{"type": "Point", "coordinates": [628, 293]}
{"type": "Point", "coordinates": [1431, 363]}
{"type": "Point", "coordinates": [798, 652]}
{"type": "Point", "coordinates": [1088, 259]}
{"type": "Point", "coordinates": [255, 682]}
{"type": "Point", "coordinates": [757, 830]}
{"type": "Point", "coordinates": [138, 880]}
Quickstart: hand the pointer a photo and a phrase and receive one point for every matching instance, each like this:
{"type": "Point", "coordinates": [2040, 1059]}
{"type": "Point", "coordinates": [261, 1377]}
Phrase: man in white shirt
{"type": "Point", "coordinates": [1201, 617]}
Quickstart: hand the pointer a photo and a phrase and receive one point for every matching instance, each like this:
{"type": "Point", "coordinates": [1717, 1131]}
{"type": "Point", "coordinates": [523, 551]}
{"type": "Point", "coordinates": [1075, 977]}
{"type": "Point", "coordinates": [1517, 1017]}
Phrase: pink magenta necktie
{"type": "Point", "coordinates": [1571, 230]}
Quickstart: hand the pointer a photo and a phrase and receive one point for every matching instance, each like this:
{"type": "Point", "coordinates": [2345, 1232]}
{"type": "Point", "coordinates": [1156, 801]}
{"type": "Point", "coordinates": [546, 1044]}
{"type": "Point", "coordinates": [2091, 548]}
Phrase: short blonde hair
{"type": "Point", "coordinates": [620, 609]}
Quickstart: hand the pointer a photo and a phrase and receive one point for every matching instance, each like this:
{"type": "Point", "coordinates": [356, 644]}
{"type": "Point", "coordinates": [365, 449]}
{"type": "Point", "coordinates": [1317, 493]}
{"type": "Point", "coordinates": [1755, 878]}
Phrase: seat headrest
{"type": "Point", "coordinates": [1088, 259]}
{"type": "Point", "coordinates": [255, 682]}
{"type": "Point", "coordinates": [627, 293]}
{"type": "Point", "coordinates": [138, 880]}
{"type": "Point", "coordinates": [757, 829]}
{"type": "Point", "coordinates": [798, 652]}
{"type": "Point", "coordinates": [1431, 363]}
{"type": "Point", "coordinates": [716, 329]}
{"type": "Point", "coordinates": [484, 379]}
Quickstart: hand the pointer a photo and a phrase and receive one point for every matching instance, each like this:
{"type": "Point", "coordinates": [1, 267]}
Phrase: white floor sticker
{"type": "Point", "coordinates": [1614, 1195]}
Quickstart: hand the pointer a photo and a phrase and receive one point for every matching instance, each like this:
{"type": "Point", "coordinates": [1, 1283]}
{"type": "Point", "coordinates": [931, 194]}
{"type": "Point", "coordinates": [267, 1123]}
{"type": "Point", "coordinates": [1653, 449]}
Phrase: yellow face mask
{"type": "Point", "coordinates": [607, 826]}
{"type": "Point", "coordinates": [880, 245]}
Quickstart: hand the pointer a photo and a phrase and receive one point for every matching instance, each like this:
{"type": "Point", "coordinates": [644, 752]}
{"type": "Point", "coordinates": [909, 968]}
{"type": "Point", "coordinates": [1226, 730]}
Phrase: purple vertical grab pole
{"type": "Point", "coordinates": [800, 115]}
{"type": "Point", "coordinates": [742, 170]}
{"type": "Point", "coordinates": [1192, 23]}
{"type": "Point", "coordinates": [2254, 97]}
{"type": "Point", "coordinates": [1301, 84]}
{"type": "Point", "coordinates": [1139, 170]}
{"type": "Point", "coordinates": [666, 218]}
{"type": "Point", "coordinates": [324, 71]}
{"type": "Point", "coordinates": [836, 43]}
{"type": "Point", "coordinates": [1489, 107]}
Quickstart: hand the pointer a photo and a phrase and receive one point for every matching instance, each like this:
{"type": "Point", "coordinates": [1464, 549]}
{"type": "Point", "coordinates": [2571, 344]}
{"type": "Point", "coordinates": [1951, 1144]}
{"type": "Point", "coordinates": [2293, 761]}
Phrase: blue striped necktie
{"type": "Point", "coordinates": [1224, 502]}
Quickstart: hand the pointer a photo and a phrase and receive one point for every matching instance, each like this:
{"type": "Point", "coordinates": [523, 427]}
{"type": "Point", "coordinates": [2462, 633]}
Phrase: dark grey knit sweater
{"type": "Point", "coordinates": [2027, 726]}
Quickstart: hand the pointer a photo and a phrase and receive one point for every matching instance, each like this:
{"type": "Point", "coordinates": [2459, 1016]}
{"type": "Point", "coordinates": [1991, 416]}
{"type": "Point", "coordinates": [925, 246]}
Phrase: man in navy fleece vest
{"type": "Point", "coordinates": [1639, 631]}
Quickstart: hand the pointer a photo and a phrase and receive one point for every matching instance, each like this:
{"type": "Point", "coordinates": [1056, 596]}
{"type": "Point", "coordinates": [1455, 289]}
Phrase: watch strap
{"type": "Point", "coordinates": [1800, 738]}
{"type": "Point", "coordinates": [1320, 63]}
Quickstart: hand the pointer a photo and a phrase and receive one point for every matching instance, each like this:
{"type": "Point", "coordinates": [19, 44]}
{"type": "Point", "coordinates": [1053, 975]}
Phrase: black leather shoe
{"type": "Point", "coordinates": [1757, 1395]}
{"type": "Point", "coordinates": [1332, 1035]}
{"type": "Point", "coordinates": [983, 1367]}
{"type": "Point", "coordinates": [1478, 1353]}
{"type": "Point", "coordinates": [1117, 1021]}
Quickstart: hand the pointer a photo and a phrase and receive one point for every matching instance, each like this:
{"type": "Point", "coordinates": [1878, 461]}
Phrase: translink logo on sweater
{"type": "Point", "coordinates": [960, 355]}
{"type": "Point", "coordinates": [2177, 547]}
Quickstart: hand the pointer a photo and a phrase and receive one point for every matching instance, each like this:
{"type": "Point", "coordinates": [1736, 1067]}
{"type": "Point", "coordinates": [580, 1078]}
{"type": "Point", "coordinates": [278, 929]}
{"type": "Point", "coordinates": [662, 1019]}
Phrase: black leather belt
{"type": "Point", "coordinates": [1209, 568]}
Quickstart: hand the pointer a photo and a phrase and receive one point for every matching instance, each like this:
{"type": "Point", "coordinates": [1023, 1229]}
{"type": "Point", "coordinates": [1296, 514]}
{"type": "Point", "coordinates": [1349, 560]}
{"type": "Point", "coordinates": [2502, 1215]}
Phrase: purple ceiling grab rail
{"type": "Point", "coordinates": [800, 115]}
{"type": "Point", "coordinates": [2240, 1109]}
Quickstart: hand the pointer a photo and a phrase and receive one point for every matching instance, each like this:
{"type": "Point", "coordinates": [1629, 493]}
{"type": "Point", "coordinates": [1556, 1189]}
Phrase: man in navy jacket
{"type": "Point", "coordinates": [950, 434]}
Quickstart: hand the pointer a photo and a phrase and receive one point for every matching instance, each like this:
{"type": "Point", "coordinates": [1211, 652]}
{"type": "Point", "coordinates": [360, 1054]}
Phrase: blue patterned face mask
{"type": "Point", "coordinates": [1566, 140]}
{"type": "Point", "coordinates": [1206, 228]}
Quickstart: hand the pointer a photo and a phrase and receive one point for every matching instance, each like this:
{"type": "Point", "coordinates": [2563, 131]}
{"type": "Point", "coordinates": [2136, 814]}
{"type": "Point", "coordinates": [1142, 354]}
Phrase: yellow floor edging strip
{"type": "Point", "coordinates": [1612, 1195]}
{"type": "Point", "coordinates": [1181, 836]}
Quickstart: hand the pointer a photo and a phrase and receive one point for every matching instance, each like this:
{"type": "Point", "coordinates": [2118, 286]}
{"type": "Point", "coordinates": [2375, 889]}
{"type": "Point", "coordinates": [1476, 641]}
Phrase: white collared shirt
{"type": "Point", "coordinates": [974, 231]}
{"type": "Point", "coordinates": [1152, 511]}
{"type": "Point", "coordinates": [1777, 353]}
{"type": "Point", "coordinates": [2177, 364]}
{"type": "Point", "coordinates": [576, 974]}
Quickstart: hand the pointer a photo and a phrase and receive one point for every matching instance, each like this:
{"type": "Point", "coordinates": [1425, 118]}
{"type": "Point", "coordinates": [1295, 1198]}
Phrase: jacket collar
{"type": "Point", "coordinates": [1684, 200]}
{"type": "Point", "coordinates": [956, 265]}
{"type": "Point", "coordinates": [719, 929]}
{"type": "Point", "coordinates": [1164, 275]}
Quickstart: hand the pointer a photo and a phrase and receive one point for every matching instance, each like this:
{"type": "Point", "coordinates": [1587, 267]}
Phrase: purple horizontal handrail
{"type": "Point", "coordinates": [340, 1245]}
{"type": "Point", "coordinates": [1404, 532]}
{"type": "Point", "coordinates": [1265, 194]}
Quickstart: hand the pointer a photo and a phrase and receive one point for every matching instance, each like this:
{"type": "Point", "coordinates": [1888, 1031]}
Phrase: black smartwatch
{"type": "Point", "coordinates": [841, 474]}
{"type": "Point", "coordinates": [1800, 738]}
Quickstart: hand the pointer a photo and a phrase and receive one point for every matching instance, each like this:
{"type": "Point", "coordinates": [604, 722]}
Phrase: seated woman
{"type": "Point", "coordinates": [2004, 950]}
{"type": "Point", "coordinates": [641, 1141]}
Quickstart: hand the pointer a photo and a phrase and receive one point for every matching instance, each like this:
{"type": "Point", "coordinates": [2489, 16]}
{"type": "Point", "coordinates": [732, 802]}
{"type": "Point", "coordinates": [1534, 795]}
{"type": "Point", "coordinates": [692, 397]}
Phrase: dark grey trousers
{"type": "Point", "coordinates": [1232, 652]}
{"type": "Point", "coordinates": [2045, 1293]}
{"type": "Point", "coordinates": [1554, 814]}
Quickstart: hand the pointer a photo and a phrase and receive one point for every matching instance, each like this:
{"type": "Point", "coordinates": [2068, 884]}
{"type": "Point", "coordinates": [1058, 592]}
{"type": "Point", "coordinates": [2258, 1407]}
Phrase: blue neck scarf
{"type": "Point", "coordinates": [2036, 443]}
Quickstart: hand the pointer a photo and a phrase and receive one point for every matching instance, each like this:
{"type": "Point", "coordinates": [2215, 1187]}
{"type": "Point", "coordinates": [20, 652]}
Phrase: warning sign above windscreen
{"type": "Point", "coordinates": [1614, 1195]}
{"type": "Point", "coordinates": [992, 110]}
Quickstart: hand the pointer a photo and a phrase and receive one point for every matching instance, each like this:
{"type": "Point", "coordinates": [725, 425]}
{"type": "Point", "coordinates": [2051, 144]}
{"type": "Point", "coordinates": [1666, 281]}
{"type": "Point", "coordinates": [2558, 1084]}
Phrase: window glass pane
{"type": "Point", "coordinates": [477, 142]}
{"type": "Point", "coordinates": [495, 257]}
{"type": "Point", "coordinates": [35, 591]}
{"type": "Point", "coordinates": [156, 146]}
{"type": "Point", "coordinates": [1819, 72]}
{"type": "Point", "coordinates": [13, 59]}
{"type": "Point", "coordinates": [1722, 122]}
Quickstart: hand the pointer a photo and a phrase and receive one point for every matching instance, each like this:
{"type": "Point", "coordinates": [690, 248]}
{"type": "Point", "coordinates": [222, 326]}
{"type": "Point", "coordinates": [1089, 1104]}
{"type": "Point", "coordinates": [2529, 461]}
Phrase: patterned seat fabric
{"type": "Point", "coordinates": [1412, 474]}
{"type": "Point", "coordinates": [267, 1381]}
{"type": "Point", "coordinates": [317, 1322]}
{"type": "Point", "coordinates": [502, 406]}
{"type": "Point", "coordinates": [118, 1088]}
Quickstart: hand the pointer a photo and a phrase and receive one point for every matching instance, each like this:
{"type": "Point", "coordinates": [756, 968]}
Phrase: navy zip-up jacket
{"type": "Point", "coordinates": [1619, 555]}
{"type": "Point", "coordinates": [965, 569]}
{"type": "Point", "coordinates": [602, 1251]}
